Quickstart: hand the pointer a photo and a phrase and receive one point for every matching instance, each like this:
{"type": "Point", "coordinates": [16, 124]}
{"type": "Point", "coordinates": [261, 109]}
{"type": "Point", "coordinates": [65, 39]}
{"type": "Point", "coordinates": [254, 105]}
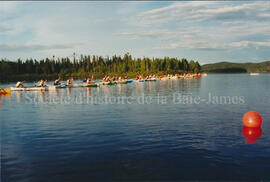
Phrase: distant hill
{"type": "Point", "coordinates": [228, 67]}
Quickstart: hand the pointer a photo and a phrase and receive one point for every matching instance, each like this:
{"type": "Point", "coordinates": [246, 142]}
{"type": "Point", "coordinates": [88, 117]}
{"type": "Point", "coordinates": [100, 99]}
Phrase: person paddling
{"type": "Point", "coordinates": [69, 81]}
{"type": "Point", "coordinates": [89, 81]}
{"type": "Point", "coordinates": [104, 78]}
{"type": "Point", "coordinates": [84, 80]}
{"type": "Point", "coordinates": [19, 84]}
{"type": "Point", "coordinates": [41, 83]}
{"type": "Point", "coordinates": [57, 81]}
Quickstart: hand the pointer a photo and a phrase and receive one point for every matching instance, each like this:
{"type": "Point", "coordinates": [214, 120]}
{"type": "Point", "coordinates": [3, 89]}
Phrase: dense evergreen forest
{"type": "Point", "coordinates": [31, 70]}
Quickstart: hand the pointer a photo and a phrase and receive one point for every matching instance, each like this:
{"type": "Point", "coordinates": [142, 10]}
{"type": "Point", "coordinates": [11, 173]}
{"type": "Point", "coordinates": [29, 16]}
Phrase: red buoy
{"type": "Point", "coordinates": [252, 119]}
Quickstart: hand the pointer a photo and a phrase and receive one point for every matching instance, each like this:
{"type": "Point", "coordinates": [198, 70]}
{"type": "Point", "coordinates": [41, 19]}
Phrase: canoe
{"type": "Point", "coordinates": [165, 78]}
{"type": "Point", "coordinates": [151, 79]}
{"type": "Point", "coordinates": [35, 88]}
{"type": "Point", "coordinates": [60, 86]}
{"type": "Point", "coordinates": [17, 89]}
{"type": "Point", "coordinates": [121, 82]}
{"type": "Point", "coordinates": [106, 83]}
{"type": "Point", "coordinates": [74, 85]}
{"type": "Point", "coordinates": [140, 80]}
{"type": "Point", "coordinates": [129, 81]}
{"type": "Point", "coordinates": [52, 87]}
{"type": "Point", "coordinates": [254, 74]}
{"type": "Point", "coordinates": [29, 89]}
{"type": "Point", "coordinates": [90, 85]}
{"type": "Point", "coordinates": [174, 78]}
{"type": "Point", "coordinates": [70, 86]}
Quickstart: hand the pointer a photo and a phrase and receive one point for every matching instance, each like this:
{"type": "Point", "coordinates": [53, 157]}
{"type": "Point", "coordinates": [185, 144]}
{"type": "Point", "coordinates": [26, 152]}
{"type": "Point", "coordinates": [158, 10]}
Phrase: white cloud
{"type": "Point", "coordinates": [205, 11]}
{"type": "Point", "coordinates": [194, 44]}
{"type": "Point", "coordinates": [256, 44]}
{"type": "Point", "coordinates": [32, 47]}
{"type": "Point", "coordinates": [4, 28]}
{"type": "Point", "coordinates": [8, 7]}
{"type": "Point", "coordinates": [162, 34]}
{"type": "Point", "coordinates": [210, 46]}
{"type": "Point", "coordinates": [208, 26]}
{"type": "Point", "coordinates": [248, 29]}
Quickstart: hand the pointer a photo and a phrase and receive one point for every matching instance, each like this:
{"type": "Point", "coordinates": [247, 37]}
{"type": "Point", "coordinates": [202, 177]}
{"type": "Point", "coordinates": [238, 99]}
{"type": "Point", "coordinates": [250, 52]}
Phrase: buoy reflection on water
{"type": "Point", "coordinates": [251, 134]}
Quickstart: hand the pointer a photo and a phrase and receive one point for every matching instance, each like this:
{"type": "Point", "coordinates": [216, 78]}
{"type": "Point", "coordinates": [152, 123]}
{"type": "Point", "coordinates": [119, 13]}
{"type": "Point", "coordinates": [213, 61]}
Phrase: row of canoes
{"type": "Point", "coordinates": [97, 84]}
{"type": "Point", "coordinates": [53, 87]}
{"type": "Point", "coordinates": [173, 77]}
{"type": "Point", "coordinates": [166, 78]}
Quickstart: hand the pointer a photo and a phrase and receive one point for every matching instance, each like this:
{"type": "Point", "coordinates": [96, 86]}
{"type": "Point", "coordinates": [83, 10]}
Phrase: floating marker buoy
{"type": "Point", "coordinates": [252, 119]}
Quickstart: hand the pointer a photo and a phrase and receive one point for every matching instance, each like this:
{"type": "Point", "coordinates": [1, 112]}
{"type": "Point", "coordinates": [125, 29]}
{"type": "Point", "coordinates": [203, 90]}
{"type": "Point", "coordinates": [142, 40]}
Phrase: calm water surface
{"type": "Point", "coordinates": [73, 140]}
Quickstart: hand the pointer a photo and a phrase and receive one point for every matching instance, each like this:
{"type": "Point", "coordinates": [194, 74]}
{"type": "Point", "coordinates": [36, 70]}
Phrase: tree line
{"type": "Point", "coordinates": [51, 68]}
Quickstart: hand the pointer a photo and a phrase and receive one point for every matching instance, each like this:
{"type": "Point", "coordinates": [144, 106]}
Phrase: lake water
{"type": "Point", "coordinates": [164, 130]}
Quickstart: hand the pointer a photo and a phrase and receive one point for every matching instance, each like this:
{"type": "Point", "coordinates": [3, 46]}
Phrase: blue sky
{"type": "Point", "coordinates": [204, 31]}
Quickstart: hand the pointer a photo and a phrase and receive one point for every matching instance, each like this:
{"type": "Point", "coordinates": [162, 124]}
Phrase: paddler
{"type": "Point", "coordinates": [89, 81]}
{"type": "Point", "coordinates": [104, 78]}
{"type": "Point", "coordinates": [69, 81]}
{"type": "Point", "coordinates": [41, 83]}
{"type": "Point", "coordinates": [57, 81]}
{"type": "Point", "coordinates": [84, 80]}
{"type": "Point", "coordinates": [19, 84]}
